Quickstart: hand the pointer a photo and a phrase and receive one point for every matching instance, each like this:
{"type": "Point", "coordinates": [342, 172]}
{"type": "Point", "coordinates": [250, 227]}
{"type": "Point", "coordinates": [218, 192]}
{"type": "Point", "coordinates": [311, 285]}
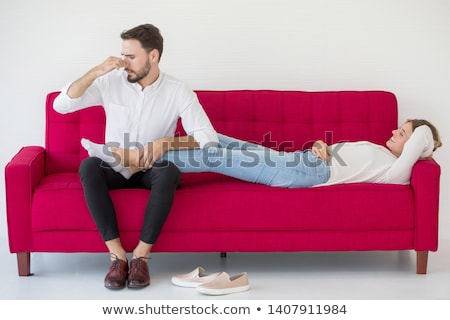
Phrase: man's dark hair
{"type": "Point", "coordinates": [148, 35]}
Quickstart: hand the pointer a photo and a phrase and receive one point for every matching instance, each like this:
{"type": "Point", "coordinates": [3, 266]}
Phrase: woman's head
{"type": "Point", "coordinates": [402, 134]}
{"type": "Point", "coordinates": [420, 122]}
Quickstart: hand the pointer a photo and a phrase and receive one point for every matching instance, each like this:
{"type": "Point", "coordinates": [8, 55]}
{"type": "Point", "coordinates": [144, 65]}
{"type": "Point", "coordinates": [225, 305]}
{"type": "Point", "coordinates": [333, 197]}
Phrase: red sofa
{"type": "Point", "coordinates": [46, 211]}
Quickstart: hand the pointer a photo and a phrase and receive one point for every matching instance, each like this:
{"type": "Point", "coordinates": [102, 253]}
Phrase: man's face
{"type": "Point", "coordinates": [137, 60]}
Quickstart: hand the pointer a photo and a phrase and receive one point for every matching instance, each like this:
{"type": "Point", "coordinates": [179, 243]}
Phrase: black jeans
{"type": "Point", "coordinates": [97, 178]}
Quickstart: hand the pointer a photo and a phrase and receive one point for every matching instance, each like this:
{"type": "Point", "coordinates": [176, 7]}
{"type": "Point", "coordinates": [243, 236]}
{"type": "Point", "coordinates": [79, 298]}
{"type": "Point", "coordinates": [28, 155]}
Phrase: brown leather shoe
{"type": "Point", "coordinates": [139, 276]}
{"type": "Point", "coordinates": [117, 275]}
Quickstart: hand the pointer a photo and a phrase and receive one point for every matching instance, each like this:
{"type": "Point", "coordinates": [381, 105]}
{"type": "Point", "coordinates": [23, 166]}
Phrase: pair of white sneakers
{"type": "Point", "coordinates": [218, 283]}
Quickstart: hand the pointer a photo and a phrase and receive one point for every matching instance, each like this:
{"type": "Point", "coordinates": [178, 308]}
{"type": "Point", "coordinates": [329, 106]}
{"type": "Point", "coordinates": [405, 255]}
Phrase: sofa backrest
{"type": "Point", "coordinates": [286, 120]}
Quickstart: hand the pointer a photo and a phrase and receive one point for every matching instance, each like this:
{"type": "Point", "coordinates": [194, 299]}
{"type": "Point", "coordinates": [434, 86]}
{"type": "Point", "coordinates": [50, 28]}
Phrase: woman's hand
{"type": "Point", "coordinates": [320, 150]}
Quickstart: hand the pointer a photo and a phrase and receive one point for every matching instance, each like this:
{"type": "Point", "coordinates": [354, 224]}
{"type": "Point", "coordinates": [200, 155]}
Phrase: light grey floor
{"type": "Point", "coordinates": [273, 276]}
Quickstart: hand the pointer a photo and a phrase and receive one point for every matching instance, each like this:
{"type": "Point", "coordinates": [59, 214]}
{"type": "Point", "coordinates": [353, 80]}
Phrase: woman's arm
{"type": "Point", "coordinates": [419, 145]}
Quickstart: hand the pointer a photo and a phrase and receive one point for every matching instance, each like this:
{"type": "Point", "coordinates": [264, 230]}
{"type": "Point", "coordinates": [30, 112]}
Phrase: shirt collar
{"type": "Point", "coordinates": [155, 84]}
{"type": "Point", "coordinates": [149, 88]}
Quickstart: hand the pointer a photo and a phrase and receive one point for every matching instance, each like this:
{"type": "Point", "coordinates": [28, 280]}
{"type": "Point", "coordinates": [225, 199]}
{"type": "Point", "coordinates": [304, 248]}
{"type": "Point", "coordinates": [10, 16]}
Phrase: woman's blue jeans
{"type": "Point", "coordinates": [254, 163]}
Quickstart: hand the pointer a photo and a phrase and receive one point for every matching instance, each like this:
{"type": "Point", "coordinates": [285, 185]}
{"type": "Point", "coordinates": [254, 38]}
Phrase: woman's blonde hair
{"type": "Point", "coordinates": [420, 122]}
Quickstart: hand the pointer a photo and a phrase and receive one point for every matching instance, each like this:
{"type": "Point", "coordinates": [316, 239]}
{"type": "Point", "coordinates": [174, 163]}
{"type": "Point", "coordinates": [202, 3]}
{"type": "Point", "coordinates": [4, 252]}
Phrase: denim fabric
{"type": "Point", "coordinates": [254, 163]}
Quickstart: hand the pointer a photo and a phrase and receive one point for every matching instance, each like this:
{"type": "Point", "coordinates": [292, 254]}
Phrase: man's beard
{"type": "Point", "coordinates": [141, 74]}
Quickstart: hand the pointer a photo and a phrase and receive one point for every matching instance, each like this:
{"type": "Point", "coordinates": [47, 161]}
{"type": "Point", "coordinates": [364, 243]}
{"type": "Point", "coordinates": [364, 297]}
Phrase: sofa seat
{"type": "Point", "coordinates": [341, 208]}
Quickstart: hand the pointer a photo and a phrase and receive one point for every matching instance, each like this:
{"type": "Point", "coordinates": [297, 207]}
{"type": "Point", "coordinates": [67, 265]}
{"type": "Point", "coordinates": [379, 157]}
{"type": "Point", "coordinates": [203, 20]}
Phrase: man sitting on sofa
{"type": "Point", "coordinates": [141, 104]}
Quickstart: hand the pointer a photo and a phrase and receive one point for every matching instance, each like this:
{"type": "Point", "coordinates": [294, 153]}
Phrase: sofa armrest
{"type": "Point", "coordinates": [425, 182]}
{"type": "Point", "coordinates": [22, 175]}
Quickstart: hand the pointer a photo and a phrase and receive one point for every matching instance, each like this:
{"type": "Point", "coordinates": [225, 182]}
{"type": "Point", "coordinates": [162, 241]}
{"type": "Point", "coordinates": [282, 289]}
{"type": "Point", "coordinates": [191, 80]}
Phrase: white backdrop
{"type": "Point", "coordinates": [401, 46]}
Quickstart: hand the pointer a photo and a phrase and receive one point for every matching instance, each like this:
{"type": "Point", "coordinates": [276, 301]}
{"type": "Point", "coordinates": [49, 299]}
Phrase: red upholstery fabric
{"type": "Point", "coordinates": [220, 195]}
{"type": "Point", "coordinates": [279, 119]}
{"type": "Point", "coordinates": [46, 210]}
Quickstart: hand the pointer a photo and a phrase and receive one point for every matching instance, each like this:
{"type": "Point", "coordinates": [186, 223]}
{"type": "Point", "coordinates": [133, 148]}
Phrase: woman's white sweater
{"type": "Point", "coordinates": [368, 162]}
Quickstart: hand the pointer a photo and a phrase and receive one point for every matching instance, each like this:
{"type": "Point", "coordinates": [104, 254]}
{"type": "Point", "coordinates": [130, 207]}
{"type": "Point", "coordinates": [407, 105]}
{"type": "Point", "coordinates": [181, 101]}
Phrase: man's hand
{"type": "Point", "coordinates": [320, 150]}
{"type": "Point", "coordinates": [141, 158]}
{"type": "Point", "coordinates": [79, 87]}
{"type": "Point", "coordinates": [110, 64]}
{"type": "Point", "coordinates": [156, 149]}
{"type": "Point", "coordinates": [145, 158]}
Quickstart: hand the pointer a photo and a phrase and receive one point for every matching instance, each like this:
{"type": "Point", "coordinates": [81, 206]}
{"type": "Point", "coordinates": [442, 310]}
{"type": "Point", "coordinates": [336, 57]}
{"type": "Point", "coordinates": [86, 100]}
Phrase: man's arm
{"type": "Point", "coordinates": [79, 87]}
{"type": "Point", "coordinates": [81, 93]}
{"type": "Point", "coordinates": [155, 150]}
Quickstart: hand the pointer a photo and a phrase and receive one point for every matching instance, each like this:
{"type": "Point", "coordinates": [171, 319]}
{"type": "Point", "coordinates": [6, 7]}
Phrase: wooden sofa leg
{"type": "Point", "coordinates": [23, 264]}
{"type": "Point", "coordinates": [422, 261]}
{"type": "Point", "coordinates": [223, 254]}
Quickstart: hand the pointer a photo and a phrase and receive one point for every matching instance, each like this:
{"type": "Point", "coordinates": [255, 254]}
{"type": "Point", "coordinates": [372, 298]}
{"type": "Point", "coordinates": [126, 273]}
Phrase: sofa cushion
{"type": "Point", "coordinates": [211, 202]}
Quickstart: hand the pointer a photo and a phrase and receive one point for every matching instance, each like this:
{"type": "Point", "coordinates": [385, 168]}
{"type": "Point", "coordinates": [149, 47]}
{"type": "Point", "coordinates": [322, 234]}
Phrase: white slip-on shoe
{"type": "Point", "coordinates": [224, 284]}
{"type": "Point", "coordinates": [193, 278]}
